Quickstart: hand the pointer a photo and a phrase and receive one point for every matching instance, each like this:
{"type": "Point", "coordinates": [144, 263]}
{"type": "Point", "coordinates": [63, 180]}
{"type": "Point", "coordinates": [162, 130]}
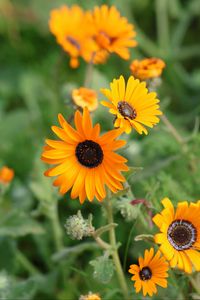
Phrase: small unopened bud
{"type": "Point", "coordinates": [129, 212]}
{"type": "Point", "coordinates": [77, 227]}
{"type": "Point", "coordinates": [90, 296]}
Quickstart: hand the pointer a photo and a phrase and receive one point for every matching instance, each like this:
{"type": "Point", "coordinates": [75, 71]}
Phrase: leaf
{"type": "Point", "coordinates": [144, 237]}
{"type": "Point", "coordinates": [103, 269]}
{"type": "Point", "coordinates": [8, 254]}
{"type": "Point", "coordinates": [16, 224]}
{"type": "Point", "coordinates": [11, 289]}
{"type": "Point", "coordinates": [132, 171]}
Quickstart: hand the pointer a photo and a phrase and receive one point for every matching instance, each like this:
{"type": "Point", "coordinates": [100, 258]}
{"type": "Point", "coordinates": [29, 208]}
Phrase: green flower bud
{"type": "Point", "coordinates": [77, 227]}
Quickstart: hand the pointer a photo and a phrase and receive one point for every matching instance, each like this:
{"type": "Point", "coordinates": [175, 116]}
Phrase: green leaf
{"type": "Point", "coordinates": [103, 269]}
{"type": "Point", "coordinates": [16, 224]}
{"type": "Point", "coordinates": [132, 171]}
{"type": "Point", "coordinates": [11, 289]}
{"type": "Point", "coordinates": [8, 251]}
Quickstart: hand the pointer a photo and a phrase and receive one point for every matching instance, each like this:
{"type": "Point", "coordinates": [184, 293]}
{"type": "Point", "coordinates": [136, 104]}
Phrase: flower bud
{"type": "Point", "coordinates": [77, 227]}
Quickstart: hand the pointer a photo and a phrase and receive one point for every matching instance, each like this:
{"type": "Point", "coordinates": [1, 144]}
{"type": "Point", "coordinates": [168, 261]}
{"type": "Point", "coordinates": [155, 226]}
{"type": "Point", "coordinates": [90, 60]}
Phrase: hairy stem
{"type": "Point", "coordinates": [174, 132]}
{"type": "Point", "coordinates": [115, 255]}
{"type": "Point", "coordinates": [57, 233]}
{"type": "Point", "coordinates": [162, 23]}
{"type": "Point", "coordinates": [88, 75]}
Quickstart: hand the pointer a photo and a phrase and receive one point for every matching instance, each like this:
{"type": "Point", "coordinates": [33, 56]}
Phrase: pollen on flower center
{"type": "Point", "coordinates": [126, 110]}
{"type": "Point", "coordinates": [145, 273]}
{"type": "Point", "coordinates": [73, 42]}
{"type": "Point", "coordinates": [89, 154]}
{"type": "Point", "coordinates": [182, 234]}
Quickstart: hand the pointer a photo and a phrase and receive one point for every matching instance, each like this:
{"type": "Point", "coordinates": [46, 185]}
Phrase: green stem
{"type": "Point", "coordinates": [174, 132]}
{"type": "Point", "coordinates": [162, 23]}
{"type": "Point", "coordinates": [175, 282]}
{"type": "Point", "coordinates": [88, 75]}
{"type": "Point", "coordinates": [115, 255]}
{"type": "Point", "coordinates": [194, 284]}
{"type": "Point", "coordinates": [57, 233]}
{"type": "Point", "coordinates": [25, 262]}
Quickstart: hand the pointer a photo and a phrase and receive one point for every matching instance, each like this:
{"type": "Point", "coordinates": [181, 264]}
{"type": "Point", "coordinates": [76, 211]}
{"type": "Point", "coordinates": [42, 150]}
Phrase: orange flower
{"type": "Point", "coordinates": [85, 97]}
{"type": "Point", "coordinates": [71, 28]}
{"type": "Point", "coordinates": [132, 105]}
{"type": "Point", "coordinates": [86, 162]}
{"type": "Point", "coordinates": [150, 272]}
{"type": "Point", "coordinates": [90, 296]}
{"type": "Point", "coordinates": [113, 33]}
{"type": "Point", "coordinates": [179, 236]}
{"type": "Point", "coordinates": [6, 175]}
{"type": "Point", "coordinates": [147, 68]}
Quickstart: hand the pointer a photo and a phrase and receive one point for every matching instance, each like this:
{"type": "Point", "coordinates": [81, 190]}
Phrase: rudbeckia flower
{"type": "Point", "coordinates": [113, 33]}
{"type": "Point", "coordinates": [85, 97]}
{"type": "Point", "coordinates": [72, 31]}
{"type": "Point", "coordinates": [86, 161]}
{"type": "Point", "coordinates": [180, 234]}
{"type": "Point", "coordinates": [6, 175]}
{"type": "Point", "coordinates": [151, 271]}
{"type": "Point", "coordinates": [147, 68]}
{"type": "Point", "coordinates": [132, 105]}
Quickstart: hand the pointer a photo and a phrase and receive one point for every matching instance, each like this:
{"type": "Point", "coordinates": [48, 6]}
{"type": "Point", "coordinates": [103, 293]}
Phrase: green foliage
{"type": "Point", "coordinates": [38, 260]}
{"type": "Point", "coordinates": [103, 268]}
{"type": "Point", "coordinates": [11, 289]}
{"type": "Point", "coordinates": [17, 224]}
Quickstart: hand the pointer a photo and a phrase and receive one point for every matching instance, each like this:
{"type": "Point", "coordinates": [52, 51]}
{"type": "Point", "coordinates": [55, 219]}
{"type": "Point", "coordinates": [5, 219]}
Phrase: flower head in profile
{"type": "Point", "coordinates": [85, 161]}
{"type": "Point", "coordinates": [6, 175]}
{"type": "Point", "coordinates": [147, 68]}
{"type": "Point", "coordinates": [73, 32]}
{"type": "Point", "coordinates": [113, 33]}
{"type": "Point", "coordinates": [180, 234]}
{"type": "Point", "coordinates": [132, 105]}
{"type": "Point", "coordinates": [151, 271]}
{"type": "Point", "coordinates": [90, 296]}
{"type": "Point", "coordinates": [85, 97]}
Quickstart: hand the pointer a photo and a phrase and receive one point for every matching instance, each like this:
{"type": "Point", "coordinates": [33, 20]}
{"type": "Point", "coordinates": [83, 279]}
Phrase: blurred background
{"type": "Point", "coordinates": [35, 84]}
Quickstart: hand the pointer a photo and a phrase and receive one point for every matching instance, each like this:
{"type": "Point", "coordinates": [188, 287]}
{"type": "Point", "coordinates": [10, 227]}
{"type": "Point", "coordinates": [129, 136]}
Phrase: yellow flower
{"type": "Point", "coordinates": [113, 33]}
{"type": "Point", "coordinates": [147, 68]}
{"type": "Point", "coordinates": [70, 25]}
{"type": "Point", "coordinates": [90, 296]}
{"type": "Point", "coordinates": [133, 105]}
{"type": "Point", "coordinates": [86, 162]}
{"type": "Point", "coordinates": [6, 175]}
{"type": "Point", "coordinates": [151, 271]}
{"type": "Point", "coordinates": [85, 97]}
{"type": "Point", "coordinates": [180, 234]}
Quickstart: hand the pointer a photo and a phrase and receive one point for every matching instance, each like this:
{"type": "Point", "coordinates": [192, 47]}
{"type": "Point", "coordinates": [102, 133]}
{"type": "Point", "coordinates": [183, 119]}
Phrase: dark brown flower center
{"type": "Point", "coordinates": [181, 234]}
{"type": "Point", "coordinates": [145, 273]}
{"type": "Point", "coordinates": [89, 154]}
{"type": "Point", "coordinates": [126, 110]}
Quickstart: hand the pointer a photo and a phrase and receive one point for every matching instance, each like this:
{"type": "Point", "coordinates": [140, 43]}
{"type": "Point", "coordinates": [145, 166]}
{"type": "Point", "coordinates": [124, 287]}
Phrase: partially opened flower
{"type": "Point", "coordinates": [73, 32]}
{"type": "Point", "coordinates": [151, 271]}
{"type": "Point", "coordinates": [85, 97]}
{"type": "Point", "coordinates": [113, 33]}
{"type": "Point", "coordinates": [147, 68]}
{"type": "Point", "coordinates": [90, 296]}
{"type": "Point", "coordinates": [86, 161]}
{"type": "Point", "coordinates": [132, 105]}
{"type": "Point", "coordinates": [6, 175]}
{"type": "Point", "coordinates": [180, 234]}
